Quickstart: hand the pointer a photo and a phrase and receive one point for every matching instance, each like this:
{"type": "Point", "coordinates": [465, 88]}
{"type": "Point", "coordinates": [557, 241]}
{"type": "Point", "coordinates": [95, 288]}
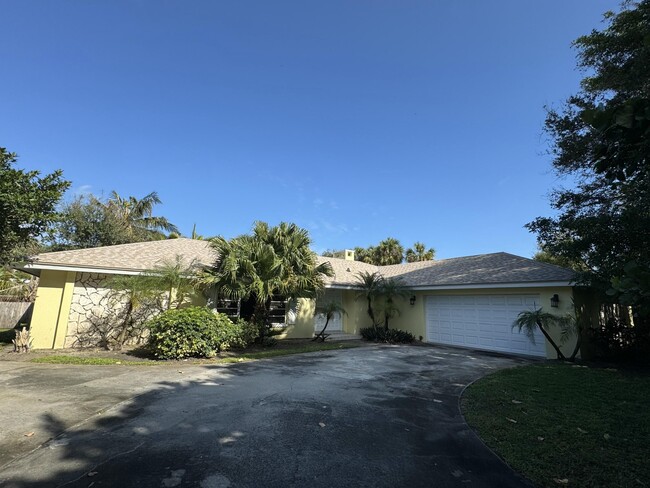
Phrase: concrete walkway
{"type": "Point", "coordinates": [373, 416]}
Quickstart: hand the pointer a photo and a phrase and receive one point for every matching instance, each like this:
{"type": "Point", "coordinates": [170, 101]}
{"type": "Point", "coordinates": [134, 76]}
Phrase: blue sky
{"type": "Point", "coordinates": [358, 120]}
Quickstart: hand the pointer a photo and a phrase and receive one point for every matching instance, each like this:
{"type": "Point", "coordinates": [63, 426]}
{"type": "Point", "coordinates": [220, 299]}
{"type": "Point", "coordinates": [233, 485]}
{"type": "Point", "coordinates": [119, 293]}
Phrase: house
{"type": "Point", "coordinates": [467, 301]}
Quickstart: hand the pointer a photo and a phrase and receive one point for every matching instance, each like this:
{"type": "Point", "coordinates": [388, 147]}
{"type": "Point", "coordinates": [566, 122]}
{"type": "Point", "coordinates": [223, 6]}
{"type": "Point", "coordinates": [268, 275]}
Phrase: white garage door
{"type": "Point", "coordinates": [482, 322]}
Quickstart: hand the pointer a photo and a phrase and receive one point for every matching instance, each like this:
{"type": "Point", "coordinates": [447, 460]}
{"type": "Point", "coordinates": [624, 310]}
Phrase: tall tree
{"type": "Point", "coordinates": [270, 262]}
{"type": "Point", "coordinates": [27, 205]}
{"type": "Point", "coordinates": [369, 285]}
{"type": "Point", "coordinates": [137, 213]}
{"type": "Point", "coordinates": [389, 251]}
{"type": "Point", "coordinates": [419, 252]}
{"type": "Point", "coordinates": [601, 137]}
{"type": "Point", "coordinates": [391, 290]}
{"type": "Point", "coordinates": [88, 221]}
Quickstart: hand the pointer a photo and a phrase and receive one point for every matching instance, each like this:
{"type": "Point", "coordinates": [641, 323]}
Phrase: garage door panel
{"type": "Point", "coordinates": [481, 321]}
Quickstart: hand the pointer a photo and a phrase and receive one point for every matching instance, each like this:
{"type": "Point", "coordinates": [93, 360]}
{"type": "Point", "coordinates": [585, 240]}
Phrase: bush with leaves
{"type": "Point", "coordinates": [391, 336]}
{"type": "Point", "coordinates": [191, 332]}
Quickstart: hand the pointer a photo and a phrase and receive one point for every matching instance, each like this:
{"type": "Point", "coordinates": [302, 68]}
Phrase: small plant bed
{"type": "Point", "coordinates": [389, 336]}
{"type": "Point", "coordinates": [139, 356]}
{"type": "Point", "coordinates": [566, 425]}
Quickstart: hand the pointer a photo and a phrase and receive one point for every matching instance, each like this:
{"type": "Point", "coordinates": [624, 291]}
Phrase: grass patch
{"type": "Point", "coordinates": [237, 357]}
{"type": "Point", "coordinates": [7, 335]}
{"type": "Point", "coordinates": [586, 425]}
{"type": "Point", "coordinates": [59, 359]}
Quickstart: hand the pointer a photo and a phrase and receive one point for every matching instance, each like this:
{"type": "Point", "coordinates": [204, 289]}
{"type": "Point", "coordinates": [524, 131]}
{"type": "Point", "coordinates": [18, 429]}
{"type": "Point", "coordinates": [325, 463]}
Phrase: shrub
{"type": "Point", "coordinates": [248, 332]}
{"type": "Point", "coordinates": [391, 336]}
{"type": "Point", "coordinates": [191, 332]}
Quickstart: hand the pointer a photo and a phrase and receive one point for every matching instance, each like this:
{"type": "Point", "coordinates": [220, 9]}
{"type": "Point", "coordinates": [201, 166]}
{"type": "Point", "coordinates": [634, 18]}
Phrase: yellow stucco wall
{"type": "Point", "coordinates": [413, 320]}
{"type": "Point", "coordinates": [51, 309]}
{"type": "Point", "coordinates": [304, 325]}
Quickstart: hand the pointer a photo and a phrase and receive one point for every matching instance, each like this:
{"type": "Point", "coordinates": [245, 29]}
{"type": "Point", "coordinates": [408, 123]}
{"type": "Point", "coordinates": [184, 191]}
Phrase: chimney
{"type": "Point", "coordinates": [349, 255]}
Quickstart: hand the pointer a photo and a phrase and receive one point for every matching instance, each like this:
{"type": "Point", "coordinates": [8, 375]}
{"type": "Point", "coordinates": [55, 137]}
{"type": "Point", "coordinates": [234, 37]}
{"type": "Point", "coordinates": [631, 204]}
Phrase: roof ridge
{"type": "Point", "coordinates": [543, 263]}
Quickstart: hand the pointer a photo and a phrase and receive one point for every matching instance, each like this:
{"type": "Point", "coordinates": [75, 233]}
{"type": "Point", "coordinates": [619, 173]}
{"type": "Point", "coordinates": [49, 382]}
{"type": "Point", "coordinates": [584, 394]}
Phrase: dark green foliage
{"type": "Point", "coordinates": [27, 206]}
{"type": "Point", "coordinates": [191, 332]}
{"type": "Point", "coordinates": [272, 262]}
{"type": "Point", "coordinates": [601, 137]}
{"type": "Point", "coordinates": [391, 336]}
{"type": "Point", "coordinates": [419, 252]}
{"type": "Point", "coordinates": [88, 221]}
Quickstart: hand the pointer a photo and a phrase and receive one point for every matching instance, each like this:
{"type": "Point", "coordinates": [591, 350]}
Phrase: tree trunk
{"type": "Point", "coordinates": [321, 334]}
{"type": "Point", "coordinates": [121, 339]}
{"type": "Point", "coordinates": [371, 313]}
{"type": "Point", "coordinates": [576, 349]}
{"type": "Point", "coordinates": [548, 338]}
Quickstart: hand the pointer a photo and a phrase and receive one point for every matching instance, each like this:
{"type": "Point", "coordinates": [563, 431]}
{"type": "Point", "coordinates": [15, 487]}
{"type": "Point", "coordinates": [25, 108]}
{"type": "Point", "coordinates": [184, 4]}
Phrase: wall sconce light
{"type": "Point", "coordinates": [555, 301]}
{"type": "Point", "coordinates": [412, 300]}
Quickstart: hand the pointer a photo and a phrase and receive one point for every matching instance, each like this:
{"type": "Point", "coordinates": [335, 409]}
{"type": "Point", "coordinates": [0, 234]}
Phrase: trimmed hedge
{"type": "Point", "coordinates": [391, 336]}
{"type": "Point", "coordinates": [193, 332]}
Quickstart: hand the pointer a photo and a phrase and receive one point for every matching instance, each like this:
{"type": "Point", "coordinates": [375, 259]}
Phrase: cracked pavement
{"type": "Point", "coordinates": [372, 416]}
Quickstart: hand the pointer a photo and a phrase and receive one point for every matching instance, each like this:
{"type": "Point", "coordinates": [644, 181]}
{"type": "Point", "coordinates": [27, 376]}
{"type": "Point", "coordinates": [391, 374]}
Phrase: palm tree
{"type": "Point", "coordinates": [390, 290]}
{"type": "Point", "coordinates": [529, 320]}
{"type": "Point", "coordinates": [388, 251]}
{"type": "Point", "coordinates": [419, 252]}
{"type": "Point", "coordinates": [175, 278]}
{"type": "Point", "coordinates": [329, 310]}
{"type": "Point", "coordinates": [370, 284]}
{"type": "Point", "coordinates": [137, 215]}
{"type": "Point", "coordinates": [273, 261]}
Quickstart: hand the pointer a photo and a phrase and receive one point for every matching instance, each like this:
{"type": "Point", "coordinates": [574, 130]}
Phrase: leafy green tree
{"type": "Point", "coordinates": [270, 262]}
{"type": "Point", "coordinates": [600, 137]}
{"type": "Point", "coordinates": [27, 205]}
{"type": "Point", "coordinates": [419, 252]}
{"type": "Point", "coordinates": [544, 256]}
{"type": "Point", "coordinates": [329, 310]}
{"type": "Point", "coordinates": [369, 285]}
{"type": "Point", "coordinates": [87, 221]}
{"type": "Point", "coordinates": [137, 214]}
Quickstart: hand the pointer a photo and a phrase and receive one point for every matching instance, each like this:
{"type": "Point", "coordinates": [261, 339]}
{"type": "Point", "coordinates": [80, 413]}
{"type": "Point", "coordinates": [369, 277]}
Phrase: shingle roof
{"type": "Point", "coordinates": [496, 268]}
{"type": "Point", "coordinates": [130, 257]}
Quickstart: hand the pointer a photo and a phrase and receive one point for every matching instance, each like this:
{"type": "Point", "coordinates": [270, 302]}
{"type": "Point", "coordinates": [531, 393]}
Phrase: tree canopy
{"type": "Point", "coordinates": [89, 221]}
{"type": "Point", "coordinates": [390, 251]}
{"type": "Point", "coordinates": [601, 138]}
{"type": "Point", "coordinates": [271, 261]}
{"type": "Point", "coordinates": [419, 252]}
{"type": "Point", "coordinates": [27, 205]}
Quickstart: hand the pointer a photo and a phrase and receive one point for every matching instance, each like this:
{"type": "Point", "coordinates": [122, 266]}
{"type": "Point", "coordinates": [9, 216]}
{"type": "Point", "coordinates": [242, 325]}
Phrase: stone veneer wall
{"type": "Point", "coordinates": [90, 300]}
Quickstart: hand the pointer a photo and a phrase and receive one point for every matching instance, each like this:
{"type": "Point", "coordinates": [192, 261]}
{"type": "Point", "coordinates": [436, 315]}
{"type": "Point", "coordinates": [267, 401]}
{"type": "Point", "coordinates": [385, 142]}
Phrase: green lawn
{"type": "Point", "coordinates": [564, 425]}
{"type": "Point", "coordinates": [236, 356]}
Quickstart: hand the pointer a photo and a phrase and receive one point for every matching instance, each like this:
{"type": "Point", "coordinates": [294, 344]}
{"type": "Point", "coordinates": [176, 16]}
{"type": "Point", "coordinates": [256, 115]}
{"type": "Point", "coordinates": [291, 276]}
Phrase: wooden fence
{"type": "Point", "coordinates": [13, 313]}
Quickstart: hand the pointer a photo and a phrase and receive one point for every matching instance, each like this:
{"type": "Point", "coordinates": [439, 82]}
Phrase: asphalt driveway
{"type": "Point", "coordinates": [372, 416]}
